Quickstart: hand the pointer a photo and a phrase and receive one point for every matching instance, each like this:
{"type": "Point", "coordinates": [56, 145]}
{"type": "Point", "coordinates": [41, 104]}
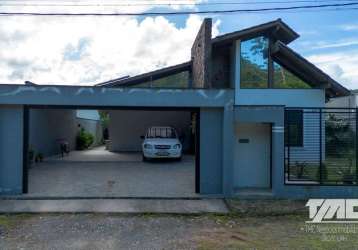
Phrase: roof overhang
{"type": "Point", "coordinates": [149, 76]}
{"type": "Point", "coordinates": [277, 30]}
{"type": "Point", "coordinates": [305, 70]}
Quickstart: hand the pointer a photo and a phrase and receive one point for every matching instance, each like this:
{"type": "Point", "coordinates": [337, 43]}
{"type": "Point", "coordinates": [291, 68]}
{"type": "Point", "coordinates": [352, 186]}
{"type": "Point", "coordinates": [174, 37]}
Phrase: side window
{"type": "Point", "coordinates": [286, 80]}
{"type": "Point", "coordinates": [254, 63]}
{"type": "Point", "coordinates": [294, 128]}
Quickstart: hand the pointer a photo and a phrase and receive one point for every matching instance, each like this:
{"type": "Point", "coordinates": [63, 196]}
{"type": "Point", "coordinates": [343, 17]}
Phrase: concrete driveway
{"type": "Point", "coordinates": [99, 173]}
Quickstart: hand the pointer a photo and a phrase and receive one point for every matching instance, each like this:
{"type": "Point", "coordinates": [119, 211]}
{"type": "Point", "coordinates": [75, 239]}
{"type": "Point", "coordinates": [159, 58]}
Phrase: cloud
{"type": "Point", "coordinates": [336, 44]}
{"type": "Point", "coordinates": [317, 45]}
{"type": "Point", "coordinates": [340, 66]}
{"type": "Point", "coordinates": [349, 27]}
{"type": "Point", "coordinates": [75, 53]}
{"type": "Point", "coordinates": [88, 50]}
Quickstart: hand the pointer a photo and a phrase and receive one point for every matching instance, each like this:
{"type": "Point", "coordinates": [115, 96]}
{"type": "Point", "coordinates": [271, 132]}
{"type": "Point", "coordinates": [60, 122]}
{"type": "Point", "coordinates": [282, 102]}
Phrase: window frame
{"type": "Point", "coordinates": [300, 128]}
{"type": "Point", "coordinates": [269, 75]}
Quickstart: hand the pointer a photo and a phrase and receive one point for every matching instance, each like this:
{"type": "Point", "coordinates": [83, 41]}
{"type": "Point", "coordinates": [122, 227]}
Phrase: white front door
{"type": "Point", "coordinates": [252, 155]}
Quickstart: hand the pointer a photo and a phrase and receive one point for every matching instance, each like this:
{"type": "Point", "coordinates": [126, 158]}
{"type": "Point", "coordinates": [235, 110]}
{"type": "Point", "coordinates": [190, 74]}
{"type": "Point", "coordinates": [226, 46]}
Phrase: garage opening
{"type": "Point", "coordinates": [111, 152]}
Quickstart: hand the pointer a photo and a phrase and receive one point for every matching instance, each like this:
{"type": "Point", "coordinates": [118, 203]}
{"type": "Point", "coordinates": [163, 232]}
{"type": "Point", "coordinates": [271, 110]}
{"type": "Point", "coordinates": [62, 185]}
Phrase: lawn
{"type": "Point", "coordinates": [250, 225]}
{"type": "Point", "coordinates": [335, 170]}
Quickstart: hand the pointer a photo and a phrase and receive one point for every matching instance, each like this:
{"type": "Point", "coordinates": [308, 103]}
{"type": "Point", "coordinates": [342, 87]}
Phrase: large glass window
{"type": "Point", "coordinates": [285, 79]}
{"type": "Point", "coordinates": [180, 80]}
{"type": "Point", "coordinates": [254, 63]}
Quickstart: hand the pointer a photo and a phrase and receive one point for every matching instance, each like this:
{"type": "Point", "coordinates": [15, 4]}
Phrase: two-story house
{"type": "Point", "coordinates": [262, 125]}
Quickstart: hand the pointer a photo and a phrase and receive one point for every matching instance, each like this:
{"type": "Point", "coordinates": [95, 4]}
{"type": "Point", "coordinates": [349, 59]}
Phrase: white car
{"type": "Point", "coordinates": [161, 142]}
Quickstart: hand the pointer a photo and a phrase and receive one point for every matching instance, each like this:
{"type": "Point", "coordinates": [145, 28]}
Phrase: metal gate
{"type": "Point", "coordinates": [321, 146]}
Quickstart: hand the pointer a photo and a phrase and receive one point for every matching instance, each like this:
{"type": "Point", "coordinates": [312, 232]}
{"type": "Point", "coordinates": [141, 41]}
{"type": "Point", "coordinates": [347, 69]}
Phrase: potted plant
{"type": "Point", "coordinates": [322, 173]}
{"type": "Point", "coordinates": [348, 176]}
{"type": "Point", "coordinates": [301, 169]}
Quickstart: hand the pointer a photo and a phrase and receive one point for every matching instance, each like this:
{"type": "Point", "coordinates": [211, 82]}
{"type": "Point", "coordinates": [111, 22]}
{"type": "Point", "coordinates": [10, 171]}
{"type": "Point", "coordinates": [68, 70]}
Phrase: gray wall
{"type": "Point", "coordinates": [284, 97]}
{"type": "Point", "coordinates": [94, 127]}
{"type": "Point", "coordinates": [11, 148]}
{"type": "Point", "coordinates": [126, 126]}
{"type": "Point", "coordinates": [48, 125]}
{"type": "Point", "coordinates": [252, 158]}
{"type": "Point", "coordinates": [343, 102]}
{"type": "Point", "coordinates": [310, 151]}
{"type": "Point", "coordinates": [211, 148]}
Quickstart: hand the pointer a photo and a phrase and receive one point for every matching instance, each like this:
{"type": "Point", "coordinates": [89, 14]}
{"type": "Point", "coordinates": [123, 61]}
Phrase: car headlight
{"type": "Point", "coordinates": [176, 146]}
{"type": "Point", "coordinates": [148, 146]}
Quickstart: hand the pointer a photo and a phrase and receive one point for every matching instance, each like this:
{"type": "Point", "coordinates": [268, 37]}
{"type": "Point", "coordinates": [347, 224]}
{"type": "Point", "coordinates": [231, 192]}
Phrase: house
{"type": "Point", "coordinates": [257, 108]}
{"type": "Point", "coordinates": [350, 101]}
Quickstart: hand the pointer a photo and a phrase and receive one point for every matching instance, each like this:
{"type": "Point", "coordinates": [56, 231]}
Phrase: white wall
{"type": "Point", "coordinates": [126, 126]}
{"type": "Point", "coordinates": [343, 102]}
{"type": "Point", "coordinates": [94, 127]}
{"type": "Point", "coordinates": [88, 114]}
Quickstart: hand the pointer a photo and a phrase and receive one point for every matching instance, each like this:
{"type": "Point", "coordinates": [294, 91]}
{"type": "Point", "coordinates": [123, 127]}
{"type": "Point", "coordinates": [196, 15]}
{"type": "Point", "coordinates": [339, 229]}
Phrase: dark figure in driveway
{"type": "Point", "coordinates": [64, 147]}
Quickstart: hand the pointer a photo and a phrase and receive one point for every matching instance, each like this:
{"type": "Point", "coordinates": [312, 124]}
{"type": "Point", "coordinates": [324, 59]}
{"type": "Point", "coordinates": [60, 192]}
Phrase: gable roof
{"type": "Point", "coordinates": [305, 70]}
{"type": "Point", "coordinates": [146, 77]}
{"type": "Point", "coordinates": [276, 29]}
{"type": "Point", "coordinates": [281, 53]}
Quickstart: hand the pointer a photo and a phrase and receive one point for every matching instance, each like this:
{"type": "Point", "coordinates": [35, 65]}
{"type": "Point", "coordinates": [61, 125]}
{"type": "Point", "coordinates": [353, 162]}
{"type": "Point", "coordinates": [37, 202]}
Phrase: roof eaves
{"type": "Point", "coordinates": [288, 36]}
{"type": "Point", "coordinates": [156, 74]}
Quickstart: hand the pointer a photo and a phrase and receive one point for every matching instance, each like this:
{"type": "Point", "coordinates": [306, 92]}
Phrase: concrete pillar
{"type": "Point", "coordinates": [228, 149]}
{"type": "Point", "coordinates": [11, 149]}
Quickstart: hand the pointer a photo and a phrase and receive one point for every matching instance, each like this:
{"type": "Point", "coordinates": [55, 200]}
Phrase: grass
{"type": "Point", "coordinates": [272, 224]}
{"type": "Point", "coordinates": [334, 169]}
{"type": "Point", "coordinates": [9, 221]}
{"type": "Point", "coordinates": [251, 224]}
{"type": "Point", "coordinates": [271, 232]}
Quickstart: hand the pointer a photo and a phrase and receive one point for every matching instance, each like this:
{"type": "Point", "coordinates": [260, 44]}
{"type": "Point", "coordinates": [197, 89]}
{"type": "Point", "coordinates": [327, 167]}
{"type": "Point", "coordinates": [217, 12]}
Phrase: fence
{"type": "Point", "coordinates": [321, 146]}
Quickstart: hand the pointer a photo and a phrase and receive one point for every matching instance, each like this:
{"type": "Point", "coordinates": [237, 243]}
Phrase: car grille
{"type": "Point", "coordinates": [162, 146]}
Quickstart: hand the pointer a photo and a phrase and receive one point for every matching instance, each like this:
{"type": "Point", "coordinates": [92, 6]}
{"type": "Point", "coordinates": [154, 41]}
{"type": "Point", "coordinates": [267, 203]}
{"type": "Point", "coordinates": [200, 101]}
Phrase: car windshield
{"type": "Point", "coordinates": [157, 132]}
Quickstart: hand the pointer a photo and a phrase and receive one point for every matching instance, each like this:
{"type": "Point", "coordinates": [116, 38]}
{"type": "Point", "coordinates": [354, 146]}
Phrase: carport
{"type": "Point", "coordinates": [100, 173]}
{"type": "Point", "coordinates": [213, 170]}
{"type": "Point", "coordinates": [117, 169]}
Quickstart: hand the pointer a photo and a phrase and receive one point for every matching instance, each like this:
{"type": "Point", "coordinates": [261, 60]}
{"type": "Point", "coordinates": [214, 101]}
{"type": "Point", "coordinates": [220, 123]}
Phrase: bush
{"type": "Point", "coordinates": [84, 140]}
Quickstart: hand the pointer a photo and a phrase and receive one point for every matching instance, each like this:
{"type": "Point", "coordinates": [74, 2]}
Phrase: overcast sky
{"type": "Point", "coordinates": [89, 50]}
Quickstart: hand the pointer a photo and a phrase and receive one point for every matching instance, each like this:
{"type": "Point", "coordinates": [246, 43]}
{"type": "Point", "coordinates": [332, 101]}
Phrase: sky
{"type": "Point", "coordinates": [89, 50]}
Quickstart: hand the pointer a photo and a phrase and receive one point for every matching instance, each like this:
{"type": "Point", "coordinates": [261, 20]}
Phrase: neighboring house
{"type": "Point", "coordinates": [350, 101]}
{"type": "Point", "coordinates": [261, 122]}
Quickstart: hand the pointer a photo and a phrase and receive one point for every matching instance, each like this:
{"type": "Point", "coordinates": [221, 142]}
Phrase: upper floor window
{"type": "Point", "coordinates": [254, 63]}
{"type": "Point", "coordinates": [179, 80]}
{"type": "Point", "coordinates": [286, 80]}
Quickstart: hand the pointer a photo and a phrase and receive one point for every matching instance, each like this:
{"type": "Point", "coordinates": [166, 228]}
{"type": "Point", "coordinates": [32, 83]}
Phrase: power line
{"type": "Point", "coordinates": [302, 7]}
{"type": "Point", "coordinates": [180, 3]}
